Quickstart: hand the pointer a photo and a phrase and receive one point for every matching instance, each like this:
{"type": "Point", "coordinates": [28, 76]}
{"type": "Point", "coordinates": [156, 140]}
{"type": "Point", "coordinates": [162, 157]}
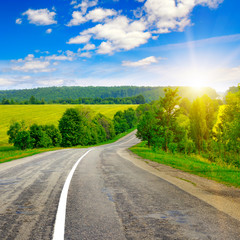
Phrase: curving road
{"type": "Point", "coordinates": [108, 198]}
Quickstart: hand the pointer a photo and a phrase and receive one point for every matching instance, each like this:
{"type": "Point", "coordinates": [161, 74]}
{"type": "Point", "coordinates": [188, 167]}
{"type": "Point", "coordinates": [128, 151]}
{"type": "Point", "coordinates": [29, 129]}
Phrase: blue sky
{"type": "Point", "coordinates": [119, 42]}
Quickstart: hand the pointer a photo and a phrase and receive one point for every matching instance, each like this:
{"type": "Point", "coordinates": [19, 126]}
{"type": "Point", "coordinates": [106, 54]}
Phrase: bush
{"type": "Point", "coordinates": [54, 134]}
{"type": "Point", "coordinates": [14, 128]}
{"type": "Point", "coordinates": [39, 137]}
{"type": "Point", "coordinates": [23, 140]}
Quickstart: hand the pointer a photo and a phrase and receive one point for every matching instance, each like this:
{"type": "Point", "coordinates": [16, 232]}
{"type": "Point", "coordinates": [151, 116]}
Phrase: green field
{"type": "Point", "coordinates": [45, 114]}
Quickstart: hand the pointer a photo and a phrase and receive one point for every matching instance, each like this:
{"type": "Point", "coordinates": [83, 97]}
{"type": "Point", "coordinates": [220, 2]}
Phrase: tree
{"type": "Point", "coordinates": [14, 128]}
{"type": "Point", "coordinates": [23, 140]}
{"type": "Point", "coordinates": [130, 116]}
{"type": "Point", "coordinates": [146, 129]}
{"type": "Point", "coordinates": [168, 112]}
{"type": "Point", "coordinates": [140, 99]}
{"type": "Point", "coordinates": [185, 106]}
{"type": "Point", "coordinates": [120, 123]}
{"type": "Point", "coordinates": [107, 124]}
{"type": "Point", "coordinates": [54, 134]}
{"type": "Point", "coordinates": [198, 126]}
{"type": "Point", "coordinates": [74, 127]}
{"type": "Point", "coordinates": [32, 100]}
{"type": "Point", "coordinates": [39, 137]}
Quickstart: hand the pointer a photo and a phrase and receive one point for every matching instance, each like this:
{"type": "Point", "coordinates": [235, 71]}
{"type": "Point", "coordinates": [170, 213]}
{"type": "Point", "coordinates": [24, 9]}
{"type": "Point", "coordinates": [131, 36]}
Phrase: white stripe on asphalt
{"type": "Point", "coordinates": [59, 227]}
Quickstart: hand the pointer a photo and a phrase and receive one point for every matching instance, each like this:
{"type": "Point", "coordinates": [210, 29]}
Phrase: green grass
{"type": "Point", "coordinates": [45, 114]}
{"type": "Point", "coordinates": [197, 165]}
{"type": "Point", "coordinates": [9, 153]}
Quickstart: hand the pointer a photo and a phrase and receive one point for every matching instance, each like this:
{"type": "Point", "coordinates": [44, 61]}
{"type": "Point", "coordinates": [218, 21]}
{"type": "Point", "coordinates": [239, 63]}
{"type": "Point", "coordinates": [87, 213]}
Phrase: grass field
{"type": "Point", "coordinates": [45, 114]}
{"type": "Point", "coordinates": [228, 175]}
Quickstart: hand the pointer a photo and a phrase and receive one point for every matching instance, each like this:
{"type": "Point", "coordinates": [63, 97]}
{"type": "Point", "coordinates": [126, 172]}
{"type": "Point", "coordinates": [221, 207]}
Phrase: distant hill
{"type": "Point", "coordinates": [56, 93]}
{"type": "Point", "coordinates": [233, 89]}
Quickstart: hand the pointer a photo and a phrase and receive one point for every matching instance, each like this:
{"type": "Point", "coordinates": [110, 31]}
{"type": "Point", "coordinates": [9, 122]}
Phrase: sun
{"type": "Point", "coordinates": [198, 78]}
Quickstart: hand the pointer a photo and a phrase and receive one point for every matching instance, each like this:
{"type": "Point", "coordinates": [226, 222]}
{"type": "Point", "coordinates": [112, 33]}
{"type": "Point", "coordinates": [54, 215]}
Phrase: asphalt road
{"type": "Point", "coordinates": [108, 198]}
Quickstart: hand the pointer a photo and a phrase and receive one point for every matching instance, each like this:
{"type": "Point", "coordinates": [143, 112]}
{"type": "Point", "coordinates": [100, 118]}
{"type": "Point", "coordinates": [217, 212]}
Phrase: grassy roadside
{"type": "Point", "coordinates": [9, 153]}
{"type": "Point", "coordinates": [194, 164]}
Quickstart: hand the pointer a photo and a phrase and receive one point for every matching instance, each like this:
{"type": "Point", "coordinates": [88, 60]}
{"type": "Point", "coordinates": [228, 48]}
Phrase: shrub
{"type": "Point", "coordinates": [23, 140]}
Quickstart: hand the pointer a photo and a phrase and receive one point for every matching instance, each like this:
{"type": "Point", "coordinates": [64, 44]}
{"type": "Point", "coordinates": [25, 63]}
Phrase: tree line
{"type": "Point", "coordinates": [77, 126]}
{"type": "Point", "coordinates": [204, 126]}
{"type": "Point", "coordinates": [50, 94]}
{"type": "Point", "coordinates": [110, 100]}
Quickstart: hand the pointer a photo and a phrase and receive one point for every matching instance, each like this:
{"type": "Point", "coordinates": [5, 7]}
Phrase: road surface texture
{"type": "Point", "coordinates": [110, 197]}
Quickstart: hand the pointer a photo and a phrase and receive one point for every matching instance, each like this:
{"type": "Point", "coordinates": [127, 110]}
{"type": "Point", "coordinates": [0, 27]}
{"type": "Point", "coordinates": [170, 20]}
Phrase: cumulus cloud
{"type": "Point", "coordinates": [79, 39]}
{"type": "Point", "coordinates": [85, 54]}
{"type": "Point", "coordinates": [143, 62]}
{"type": "Point", "coordinates": [171, 15]}
{"type": "Point", "coordinates": [40, 16]}
{"type": "Point", "coordinates": [49, 31]}
{"type": "Point", "coordinates": [89, 46]}
{"type": "Point", "coordinates": [117, 34]}
{"type": "Point", "coordinates": [84, 5]}
{"type": "Point", "coordinates": [99, 14]}
{"type": "Point", "coordinates": [77, 19]}
{"type": "Point", "coordinates": [96, 15]}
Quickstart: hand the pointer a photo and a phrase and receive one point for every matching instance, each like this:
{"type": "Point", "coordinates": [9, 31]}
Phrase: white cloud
{"type": "Point", "coordinates": [89, 47]}
{"type": "Point", "coordinates": [85, 54]}
{"type": "Point", "coordinates": [77, 19]}
{"type": "Point", "coordinates": [100, 14]}
{"type": "Point", "coordinates": [171, 15]}
{"type": "Point", "coordinates": [34, 66]}
{"type": "Point", "coordinates": [19, 21]}
{"type": "Point", "coordinates": [143, 62]}
{"type": "Point", "coordinates": [84, 5]}
{"type": "Point", "coordinates": [40, 16]}
{"type": "Point", "coordinates": [79, 39]}
{"type": "Point", "coordinates": [96, 15]}
{"type": "Point", "coordinates": [59, 58]}
{"type": "Point", "coordinates": [117, 34]}
{"type": "Point", "coordinates": [5, 82]}
{"type": "Point", "coordinates": [51, 82]}
{"type": "Point", "coordinates": [49, 31]}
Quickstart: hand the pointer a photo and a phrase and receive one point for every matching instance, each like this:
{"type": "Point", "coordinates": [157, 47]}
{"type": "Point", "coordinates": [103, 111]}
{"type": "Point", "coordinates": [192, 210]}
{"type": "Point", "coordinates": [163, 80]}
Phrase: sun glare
{"type": "Point", "coordinates": [198, 78]}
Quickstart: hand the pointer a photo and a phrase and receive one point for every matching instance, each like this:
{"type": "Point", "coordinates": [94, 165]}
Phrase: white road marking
{"type": "Point", "coordinates": [59, 227]}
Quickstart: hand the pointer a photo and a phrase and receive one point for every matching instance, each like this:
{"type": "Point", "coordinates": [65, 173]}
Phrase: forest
{"type": "Point", "coordinates": [204, 126]}
{"type": "Point", "coordinates": [110, 100]}
{"type": "Point", "coordinates": [73, 94]}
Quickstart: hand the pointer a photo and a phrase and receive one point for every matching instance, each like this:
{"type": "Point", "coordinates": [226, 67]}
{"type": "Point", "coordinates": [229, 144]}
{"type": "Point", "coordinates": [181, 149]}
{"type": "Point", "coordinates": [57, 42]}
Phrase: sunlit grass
{"type": "Point", "coordinates": [45, 114]}
{"type": "Point", "coordinates": [228, 175]}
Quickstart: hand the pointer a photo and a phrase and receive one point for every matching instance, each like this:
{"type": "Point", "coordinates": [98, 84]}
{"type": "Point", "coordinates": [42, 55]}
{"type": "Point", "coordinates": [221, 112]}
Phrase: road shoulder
{"type": "Point", "coordinates": [223, 198]}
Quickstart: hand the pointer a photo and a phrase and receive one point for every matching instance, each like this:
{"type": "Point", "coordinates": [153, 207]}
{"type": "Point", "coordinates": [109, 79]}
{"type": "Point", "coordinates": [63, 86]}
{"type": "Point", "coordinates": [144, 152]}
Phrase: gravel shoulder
{"type": "Point", "coordinates": [222, 197]}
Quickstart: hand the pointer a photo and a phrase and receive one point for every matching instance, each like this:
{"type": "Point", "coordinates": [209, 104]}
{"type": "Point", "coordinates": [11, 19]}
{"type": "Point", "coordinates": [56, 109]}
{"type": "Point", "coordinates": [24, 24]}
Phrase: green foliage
{"type": "Point", "coordinates": [39, 137]}
{"type": "Point", "coordinates": [198, 123]}
{"type": "Point", "coordinates": [73, 128]}
{"type": "Point", "coordinates": [96, 95]}
{"type": "Point", "coordinates": [14, 128]}
{"type": "Point", "coordinates": [54, 134]}
{"type": "Point", "coordinates": [107, 125]}
{"type": "Point", "coordinates": [158, 124]}
{"type": "Point", "coordinates": [131, 117]}
{"type": "Point", "coordinates": [23, 140]}
{"type": "Point", "coordinates": [147, 127]}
